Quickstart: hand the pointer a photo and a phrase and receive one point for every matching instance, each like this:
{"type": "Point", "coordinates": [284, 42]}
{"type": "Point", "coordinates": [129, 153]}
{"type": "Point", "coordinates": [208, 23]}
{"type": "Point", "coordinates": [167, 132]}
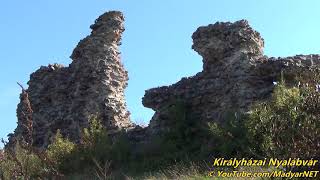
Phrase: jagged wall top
{"type": "Point", "coordinates": [112, 20]}
{"type": "Point", "coordinates": [218, 41]}
{"type": "Point", "coordinates": [107, 29]}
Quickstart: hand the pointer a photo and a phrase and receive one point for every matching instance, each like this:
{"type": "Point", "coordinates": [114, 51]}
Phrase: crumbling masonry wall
{"type": "Point", "coordinates": [93, 84]}
{"type": "Point", "coordinates": [235, 75]}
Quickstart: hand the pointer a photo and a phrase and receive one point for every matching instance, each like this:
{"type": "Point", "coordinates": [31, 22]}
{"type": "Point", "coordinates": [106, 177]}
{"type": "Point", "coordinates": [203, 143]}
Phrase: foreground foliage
{"type": "Point", "coordinates": [289, 125]}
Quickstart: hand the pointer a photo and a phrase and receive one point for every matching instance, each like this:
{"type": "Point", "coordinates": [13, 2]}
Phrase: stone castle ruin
{"type": "Point", "coordinates": [235, 74]}
{"type": "Point", "coordinates": [93, 84]}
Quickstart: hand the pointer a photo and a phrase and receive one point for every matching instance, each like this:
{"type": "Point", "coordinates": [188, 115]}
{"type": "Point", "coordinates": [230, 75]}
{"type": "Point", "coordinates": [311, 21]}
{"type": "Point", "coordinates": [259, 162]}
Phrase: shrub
{"type": "Point", "coordinates": [229, 137]}
{"type": "Point", "coordinates": [94, 148]}
{"type": "Point", "coordinates": [288, 125]}
{"type": "Point", "coordinates": [183, 142]}
{"type": "Point", "coordinates": [58, 151]}
{"type": "Point", "coordinates": [21, 163]}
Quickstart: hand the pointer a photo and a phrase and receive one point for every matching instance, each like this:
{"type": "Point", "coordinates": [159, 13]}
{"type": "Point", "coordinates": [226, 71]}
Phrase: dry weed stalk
{"type": "Point", "coordinates": [102, 173]}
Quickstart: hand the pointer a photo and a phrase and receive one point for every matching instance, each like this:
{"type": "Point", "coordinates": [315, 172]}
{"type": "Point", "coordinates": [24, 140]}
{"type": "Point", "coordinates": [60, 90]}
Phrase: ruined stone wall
{"type": "Point", "coordinates": [93, 84]}
{"type": "Point", "coordinates": [235, 75]}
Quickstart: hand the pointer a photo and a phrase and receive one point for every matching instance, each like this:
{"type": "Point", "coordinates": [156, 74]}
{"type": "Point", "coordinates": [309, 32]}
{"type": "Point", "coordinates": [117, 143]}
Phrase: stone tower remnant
{"type": "Point", "coordinates": [93, 84]}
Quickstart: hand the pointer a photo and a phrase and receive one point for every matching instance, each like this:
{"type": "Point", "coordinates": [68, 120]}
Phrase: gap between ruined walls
{"type": "Point", "coordinates": [235, 74]}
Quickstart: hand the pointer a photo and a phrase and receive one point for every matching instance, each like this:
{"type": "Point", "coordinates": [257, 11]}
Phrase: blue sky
{"type": "Point", "coordinates": [157, 42]}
